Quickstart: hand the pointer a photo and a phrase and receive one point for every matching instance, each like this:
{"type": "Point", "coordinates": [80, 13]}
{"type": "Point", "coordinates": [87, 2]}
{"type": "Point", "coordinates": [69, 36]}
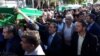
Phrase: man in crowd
{"type": "Point", "coordinates": [94, 28]}
{"type": "Point", "coordinates": [12, 43]}
{"type": "Point", "coordinates": [54, 41]}
{"type": "Point", "coordinates": [31, 43]}
{"type": "Point", "coordinates": [68, 28]}
{"type": "Point", "coordinates": [83, 43]}
{"type": "Point", "coordinates": [67, 32]}
{"type": "Point", "coordinates": [60, 24]}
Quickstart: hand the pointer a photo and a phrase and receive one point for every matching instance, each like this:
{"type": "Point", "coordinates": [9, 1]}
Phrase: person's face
{"type": "Point", "coordinates": [49, 16]}
{"type": "Point", "coordinates": [45, 16]}
{"type": "Point", "coordinates": [85, 13]}
{"type": "Point", "coordinates": [81, 17]}
{"type": "Point", "coordinates": [52, 29]}
{"type": "Point", "coordinates": [6, 34]}
{"type": "Point", "coordinates": [79, 27]}
{"type": "Point", "coordinates": [68, 20]}
{"type": "Point", "coordinates": [88, 20]}
{"type": "Point", "coordinates": [26, 46]}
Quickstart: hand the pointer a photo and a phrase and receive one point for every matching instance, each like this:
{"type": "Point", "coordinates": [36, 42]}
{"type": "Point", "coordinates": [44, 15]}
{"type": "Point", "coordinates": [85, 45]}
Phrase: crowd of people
{"type": "Point", "coordinates": [74, 32]}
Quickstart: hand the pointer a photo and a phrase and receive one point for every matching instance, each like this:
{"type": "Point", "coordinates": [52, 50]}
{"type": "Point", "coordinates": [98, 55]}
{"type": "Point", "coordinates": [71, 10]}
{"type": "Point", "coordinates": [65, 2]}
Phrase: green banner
{"type": "Point", "coordinates": [7, 16]}
{"type": "Point", "coordinates": [30, 12]}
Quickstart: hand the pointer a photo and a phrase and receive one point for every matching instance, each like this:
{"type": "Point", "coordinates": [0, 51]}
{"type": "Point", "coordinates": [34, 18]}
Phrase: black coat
{"type": "Point", "coordinates": [56, 46]}
{"type": "Point", "coordinates": [43, 31]}
{"type": "Point", "coordinates": [95, 29]}
{"type": "Point", "coordinates": [13, 46]}
{"type": "Point", "coordinates": [88, 46]}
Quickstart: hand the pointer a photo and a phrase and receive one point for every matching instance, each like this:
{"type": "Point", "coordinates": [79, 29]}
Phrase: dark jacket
{"type": "Point", "coordinates": [95, 29]}
{"type": "Point", "coordinates": [43, 31]}
{"type": "Point", "coordinates": [88, 46]}
{"type": "Point", "coordinates": [56, 46]}
{"type": "Point", "coordinates": [13, 47]}
{"type": "Point", "coordinates": [1, 41]}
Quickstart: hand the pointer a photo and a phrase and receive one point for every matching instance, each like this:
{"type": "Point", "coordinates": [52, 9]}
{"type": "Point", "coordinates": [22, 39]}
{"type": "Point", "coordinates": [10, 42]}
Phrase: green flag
{"type": "Point", "coordinates": [9, 16]}
{"type": "Point", "coordinates": [30, 12]}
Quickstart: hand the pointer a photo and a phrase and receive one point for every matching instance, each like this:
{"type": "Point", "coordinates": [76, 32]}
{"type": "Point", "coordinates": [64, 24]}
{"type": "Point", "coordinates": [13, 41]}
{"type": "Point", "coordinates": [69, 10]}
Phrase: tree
{"type": "Point", "coordinates": [95, 1]}
{"type": "Point", "coordinates": [73, 1]}
{"type": "Point", "coordinates": [69, 1]}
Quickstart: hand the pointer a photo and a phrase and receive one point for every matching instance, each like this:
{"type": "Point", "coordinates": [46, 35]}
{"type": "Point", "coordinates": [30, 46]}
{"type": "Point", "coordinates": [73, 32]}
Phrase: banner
{"type": "Point", "coordinates": [7, 16]}
{"type": "Point", "coordinates": [30, 12]}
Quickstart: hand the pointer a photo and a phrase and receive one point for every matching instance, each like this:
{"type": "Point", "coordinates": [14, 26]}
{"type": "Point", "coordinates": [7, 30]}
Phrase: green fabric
{"type": "Point", "coordinates": [9, 18]}
{"type": "Point", "coordinates": [60, 8]}
{"type": "Point", "coordinates": [30, 12]}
